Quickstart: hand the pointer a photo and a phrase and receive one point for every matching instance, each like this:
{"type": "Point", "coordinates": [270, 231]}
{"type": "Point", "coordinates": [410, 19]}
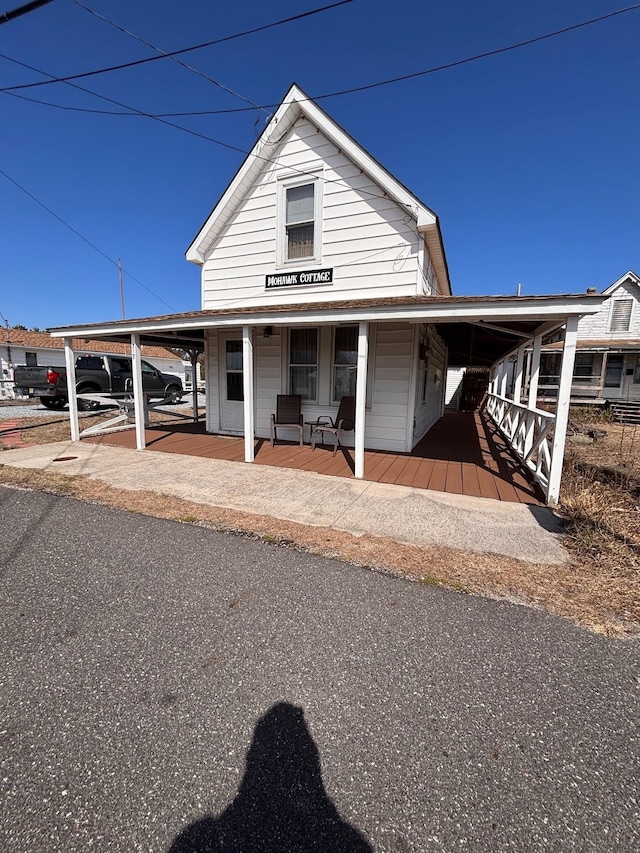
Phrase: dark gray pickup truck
{"type": "Point", "coordinates": [95, 374]}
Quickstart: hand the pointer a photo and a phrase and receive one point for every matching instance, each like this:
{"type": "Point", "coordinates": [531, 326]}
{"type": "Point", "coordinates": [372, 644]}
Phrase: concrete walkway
{"type": "Point", "coordinates": [413, 516]}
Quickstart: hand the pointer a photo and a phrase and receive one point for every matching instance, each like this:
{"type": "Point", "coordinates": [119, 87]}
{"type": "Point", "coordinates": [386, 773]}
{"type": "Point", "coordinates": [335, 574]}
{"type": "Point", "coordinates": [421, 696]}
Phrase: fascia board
{"type": "Point", "coordinates": [629, 275]}
{"type": "Point", "coordinates": [281, 121]}
{"type": "Point", "coordinates": [516, 309]}
{"type": "Point", "coordinates": [365, 161]}
{"type": "Point", "coordinates": [294, 104]}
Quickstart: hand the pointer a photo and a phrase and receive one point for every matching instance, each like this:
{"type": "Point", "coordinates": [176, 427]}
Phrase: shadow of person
{"type": "Point", "coordinates": [281, 804]}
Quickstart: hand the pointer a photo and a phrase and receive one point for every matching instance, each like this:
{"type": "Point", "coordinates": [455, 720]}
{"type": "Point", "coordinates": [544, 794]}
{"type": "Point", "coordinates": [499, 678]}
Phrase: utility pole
{"type": "Point", "coordinates": [121, 288]}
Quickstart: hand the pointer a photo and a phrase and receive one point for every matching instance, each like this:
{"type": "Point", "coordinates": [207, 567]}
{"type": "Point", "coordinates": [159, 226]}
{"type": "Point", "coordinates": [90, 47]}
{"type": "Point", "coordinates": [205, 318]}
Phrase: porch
{"type": "Point", "coordinates": [464, 453]}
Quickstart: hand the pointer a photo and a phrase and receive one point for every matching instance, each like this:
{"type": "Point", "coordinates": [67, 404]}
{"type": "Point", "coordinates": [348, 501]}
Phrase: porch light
{"type": "Point", "coordinates": [267, 331]}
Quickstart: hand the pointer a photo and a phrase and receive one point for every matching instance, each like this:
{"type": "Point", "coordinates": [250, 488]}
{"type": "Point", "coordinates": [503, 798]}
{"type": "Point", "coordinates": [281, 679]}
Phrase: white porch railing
{"type": "Point", "coordinates": [528, 432]}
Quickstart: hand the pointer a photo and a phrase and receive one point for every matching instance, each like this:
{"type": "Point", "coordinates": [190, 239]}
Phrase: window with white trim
{"type": "Point", "coordinates": [303, 363]}
{"type": "Point", "coordinates": [620, 320]}
{"type": "Point", "coordinates": [299, 220]}
{"type": "Point", "coordinates": [31, 358]}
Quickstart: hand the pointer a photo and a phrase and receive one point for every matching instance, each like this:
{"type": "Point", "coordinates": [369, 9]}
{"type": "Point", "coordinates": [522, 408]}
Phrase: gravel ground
{"type": "Point", "coordinates": [166, 687]}
{"type": "Point", "coordinates": [11, 410]}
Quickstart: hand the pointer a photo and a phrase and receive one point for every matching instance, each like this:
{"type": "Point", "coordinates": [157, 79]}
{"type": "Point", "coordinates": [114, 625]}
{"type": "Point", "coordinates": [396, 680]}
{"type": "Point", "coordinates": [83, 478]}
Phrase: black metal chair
{"type": "Point", "coordinates": [344, 421]}
{"type": "Point", "coordinates": [288, 414]}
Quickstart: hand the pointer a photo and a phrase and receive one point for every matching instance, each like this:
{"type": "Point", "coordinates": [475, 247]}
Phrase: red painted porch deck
{"type": "Point", "coordinates": [463, 454]}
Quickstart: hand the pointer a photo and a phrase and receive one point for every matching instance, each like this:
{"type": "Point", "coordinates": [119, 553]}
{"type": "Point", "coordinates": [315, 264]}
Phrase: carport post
{"type": "Point", "coordinates": [562, 410]}
{"type": "Point", "coordinates": [361, 396]}
{"type": "Point", "coordinates": [138, 394]}
{"type": "Point", "coordinates": [247, 375]}
{"type": "Point", "coordinates": [70, 363]}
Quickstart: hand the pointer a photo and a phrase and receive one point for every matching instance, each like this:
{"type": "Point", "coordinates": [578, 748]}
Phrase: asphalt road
{"type": "Point", "coordinates": [168, 688]}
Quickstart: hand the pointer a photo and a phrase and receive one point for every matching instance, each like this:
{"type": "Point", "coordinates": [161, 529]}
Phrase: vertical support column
{"type": "Point", "coordinates": [562, 409]}
{"type": "Point", "coordinates": [361, 396]}
{"type": "Point", "coordinates": [193, 355]}
{"type": "Point", "coordinates": [532, 398]}
{"type": "Point", "coordinates": [603, 374]}
{"type": "Point", "coordinates": [503, 378]}
{"type": "Point", "coordinates": [138, 393]}
{"type": "Point", "coordinates": [517, 385]}
{"type": "Point", "coordinates": [70, 363]}
{"type": "Point", "coordinates": [247, 375]}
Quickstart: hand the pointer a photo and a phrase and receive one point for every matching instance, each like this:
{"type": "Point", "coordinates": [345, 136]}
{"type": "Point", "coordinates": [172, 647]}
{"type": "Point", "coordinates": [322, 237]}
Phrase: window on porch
{"type": "Point", "coordinates": [613, 373]}
{"type": "Point", "coordinates": [303, 363]}
{"type": "Point", "coordinates": [345, 361]}
{"type": "Point", "coordinates": [583, 369]}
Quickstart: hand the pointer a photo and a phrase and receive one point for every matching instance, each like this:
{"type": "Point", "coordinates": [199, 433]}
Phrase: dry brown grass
{"type": "Point", "coordinates": [599, 589]}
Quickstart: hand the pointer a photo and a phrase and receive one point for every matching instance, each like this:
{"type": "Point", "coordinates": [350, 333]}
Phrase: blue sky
{"type": "Point", "coordinates": [529, 158]}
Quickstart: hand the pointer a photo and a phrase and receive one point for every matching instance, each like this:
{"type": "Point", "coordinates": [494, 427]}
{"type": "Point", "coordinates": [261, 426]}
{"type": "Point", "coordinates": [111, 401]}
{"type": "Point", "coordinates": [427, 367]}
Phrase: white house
{"type": "Point", "coordinates": [607, 366]}
{"type": "Point", "coordinates": [18, 346]}
{"type": "Point", "coordinates": [323, 276]}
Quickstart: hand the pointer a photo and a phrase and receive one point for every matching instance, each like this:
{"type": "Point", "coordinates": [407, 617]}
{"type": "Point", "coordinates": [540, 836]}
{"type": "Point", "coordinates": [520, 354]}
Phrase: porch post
{"type": "Point", "coordinates": [247, 375]}
{"type": "Point", "coordinates": [517, 385]}
{"type": "Point", "coordinates": [603, 374]}
{"type": "Point", "coordinates": [193, 355]}
{"type": "Point", "coordinates": [502, 382]}
{"type": "Point", "coordinates": [361, 396]}
{"type": "Point", "coordinates": [532, 396]}
{"type": "Point", "coordinates": [138, 394]}
{"type": "Point", "coordinates": [70, 363]}
{"type": "Point", "coordinates": [534, 374]}
{"type": "Point", "coordinates": [562, 409]}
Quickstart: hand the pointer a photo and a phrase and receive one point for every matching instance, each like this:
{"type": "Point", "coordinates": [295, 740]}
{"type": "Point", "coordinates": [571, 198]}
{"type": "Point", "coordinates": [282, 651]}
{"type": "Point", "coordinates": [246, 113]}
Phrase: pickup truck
{"type": "Point", "coordinates": [95, 374]}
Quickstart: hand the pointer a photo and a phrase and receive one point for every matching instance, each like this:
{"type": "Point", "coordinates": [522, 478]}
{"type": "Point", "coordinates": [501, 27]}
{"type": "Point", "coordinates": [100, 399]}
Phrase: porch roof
{"type": "Point", "coordinates": [477, 329]}
{"type": "Point", "coordinates": [603, 345]}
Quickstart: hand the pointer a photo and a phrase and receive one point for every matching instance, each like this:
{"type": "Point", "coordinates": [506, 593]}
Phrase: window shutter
{"type": "Point", "coordinates": [621, 315]}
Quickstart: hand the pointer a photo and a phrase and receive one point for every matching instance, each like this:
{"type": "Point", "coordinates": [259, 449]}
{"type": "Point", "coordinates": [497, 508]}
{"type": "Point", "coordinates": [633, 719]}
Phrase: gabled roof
{"type": "Point", "coordinates": [295, 104]}
{"type": "Point", "coordinates": [629, 276]}
{"type": "Point", "coordinates": [43, 340]}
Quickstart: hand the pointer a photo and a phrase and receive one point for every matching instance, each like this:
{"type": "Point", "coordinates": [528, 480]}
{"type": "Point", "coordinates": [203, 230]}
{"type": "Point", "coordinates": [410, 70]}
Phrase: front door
{"type": "Point", "coordinates": [231, 384]}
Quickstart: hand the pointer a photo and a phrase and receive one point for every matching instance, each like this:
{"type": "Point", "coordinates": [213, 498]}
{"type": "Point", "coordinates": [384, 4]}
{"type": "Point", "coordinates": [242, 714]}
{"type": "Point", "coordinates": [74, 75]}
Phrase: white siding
{"type": "Point", "coordinates": [368, 240]}
{"type": "Point", "coordinates": [429, 394]}
{"type": "Point", "coordinates": [390, 360]}
{"type": "Point", "coordinates": [596, 326]}
{"type": "Point", "coordinates": [453, 391]}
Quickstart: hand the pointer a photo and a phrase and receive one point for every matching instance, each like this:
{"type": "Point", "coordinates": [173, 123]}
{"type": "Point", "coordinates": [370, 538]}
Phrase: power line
{"type": "Point", "coordinates": [172, 58]}
{"type": "Point", "coordinates": [195, 133]}
{"type": "Point", "coordinates": [353, 90]}
{"type": "Point", "coordinates": [221, 40]}
{"type": "Point", "coordinates": [5, 17]}
{"type": "Point", "coordinates": [82, 237]}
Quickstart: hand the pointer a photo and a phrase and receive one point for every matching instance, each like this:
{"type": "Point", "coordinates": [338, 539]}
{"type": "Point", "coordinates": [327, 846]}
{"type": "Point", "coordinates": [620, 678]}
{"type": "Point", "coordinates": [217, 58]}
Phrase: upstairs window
{"type": "Point", "coordinates": [621, 315]}
{"type": "Point", "coordinates": [299, 220]}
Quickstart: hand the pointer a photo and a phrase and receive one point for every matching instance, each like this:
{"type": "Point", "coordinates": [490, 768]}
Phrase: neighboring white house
{"type": "Point", "coordinates": [323, 276]}
{"type": "Point", "coordinates": [607, 365]}
{"type": "Point", "coordinates": [18, 346]}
